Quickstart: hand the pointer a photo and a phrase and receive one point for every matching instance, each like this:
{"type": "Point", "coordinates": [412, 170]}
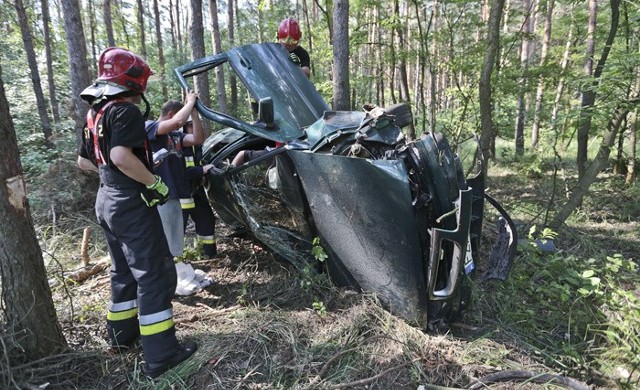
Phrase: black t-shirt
{"type": "Point", "coordinates": [122, 124]}
{"type": "Point", "coordinates": [303, 55]}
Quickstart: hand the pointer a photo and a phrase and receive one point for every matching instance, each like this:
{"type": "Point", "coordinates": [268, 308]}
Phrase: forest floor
{"type": "Point", "coordinates": [262, 326]}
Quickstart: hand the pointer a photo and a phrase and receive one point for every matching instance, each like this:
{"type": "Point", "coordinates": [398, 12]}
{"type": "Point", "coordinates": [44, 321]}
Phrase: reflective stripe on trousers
{"type": "Point", "coordinates": [143, 275]}
{"type": "Point", "coordinates": [207, 239]}
{"type": "Point", "coordinates": [187, 203]}
{"type": "Point", "coordinates": [189, 162]}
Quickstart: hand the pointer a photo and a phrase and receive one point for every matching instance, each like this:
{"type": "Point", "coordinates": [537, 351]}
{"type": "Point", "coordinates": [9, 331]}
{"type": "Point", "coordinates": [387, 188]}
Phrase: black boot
{"type": "Point", "coordinates": [134, 345]}
{"type": "Point", "coordinates": [209, 251]}
{"type": "Point", "coordinates": [184, 353]}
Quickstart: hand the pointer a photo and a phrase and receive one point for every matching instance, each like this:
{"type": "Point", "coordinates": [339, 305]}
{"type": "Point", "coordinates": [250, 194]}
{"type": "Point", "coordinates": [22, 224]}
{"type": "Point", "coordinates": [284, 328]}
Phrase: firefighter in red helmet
{"type": "Point", "coordinates": [143, 276]}
{"type": "Point", "coordinates": [289, 36]}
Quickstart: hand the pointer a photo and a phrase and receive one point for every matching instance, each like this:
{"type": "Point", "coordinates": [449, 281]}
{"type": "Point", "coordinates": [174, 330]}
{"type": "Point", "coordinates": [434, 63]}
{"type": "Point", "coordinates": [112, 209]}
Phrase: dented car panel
{"type": "Point", "coordinates": [397, 218]}
{"type": "Point", "coordinates": [377, 242]}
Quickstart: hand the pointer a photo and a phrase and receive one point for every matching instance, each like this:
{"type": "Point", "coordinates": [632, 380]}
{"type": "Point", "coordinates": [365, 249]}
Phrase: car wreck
{"type": "Point", "coordinates": [395, 217]}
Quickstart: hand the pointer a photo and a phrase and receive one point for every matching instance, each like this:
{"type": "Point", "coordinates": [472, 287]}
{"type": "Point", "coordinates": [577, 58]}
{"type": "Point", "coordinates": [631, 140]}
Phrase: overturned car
{"type": "Point", "coordinates": [395, 217]}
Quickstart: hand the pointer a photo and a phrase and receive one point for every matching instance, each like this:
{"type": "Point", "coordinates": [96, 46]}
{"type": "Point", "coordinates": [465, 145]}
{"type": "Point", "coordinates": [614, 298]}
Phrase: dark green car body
{"type": "Point", "coordinates": [396, 218]}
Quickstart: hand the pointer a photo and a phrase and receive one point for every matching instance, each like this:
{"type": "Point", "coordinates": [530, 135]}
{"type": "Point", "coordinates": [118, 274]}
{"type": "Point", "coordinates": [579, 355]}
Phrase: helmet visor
{"type": "Point", "coordinates": [288, 40]}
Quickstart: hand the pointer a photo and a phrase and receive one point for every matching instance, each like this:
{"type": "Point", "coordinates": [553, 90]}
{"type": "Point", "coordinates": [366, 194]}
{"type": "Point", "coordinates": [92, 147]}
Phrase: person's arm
{"type": "Point", "coordinates": [195, 136]}
{"type": "Point", "coordinates": [123, 158]}
{"type": "Point", "coordinates": [305, 61]}
{"type": "Point", "coordinates": [86, 165]}
{"type": "Point", "coordinates": [180, 118]}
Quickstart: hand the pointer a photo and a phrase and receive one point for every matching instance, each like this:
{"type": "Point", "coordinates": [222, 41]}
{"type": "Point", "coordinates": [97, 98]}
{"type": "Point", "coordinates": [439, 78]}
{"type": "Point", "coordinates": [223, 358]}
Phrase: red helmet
{"type": "Point", "coordinates": [124, 68]}
{"type": "Point", "coordinates": [289, 31]}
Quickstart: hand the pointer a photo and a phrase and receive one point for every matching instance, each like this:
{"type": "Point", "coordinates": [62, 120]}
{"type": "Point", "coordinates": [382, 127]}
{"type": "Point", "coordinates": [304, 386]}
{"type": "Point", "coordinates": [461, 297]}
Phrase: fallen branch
{"type": "Point", "coordinates": [365, 381]}
{"type": "Point", "coordinates": [83, 274]}
{"type": "Point", "coordinates": [84, 248]}
{"type": "Point", "coordinates": [218, 311]}
{"type": "Point", "coordinates": [528, 376]}
{"type": "Point", "coordinates": [337, 355]}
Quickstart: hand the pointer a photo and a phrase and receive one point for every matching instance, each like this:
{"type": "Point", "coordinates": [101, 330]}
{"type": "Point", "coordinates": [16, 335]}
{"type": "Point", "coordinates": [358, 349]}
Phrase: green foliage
{"type": "Point", "coordinates": [317, 251]}
{"type": "Point", "coordinates": [531, 165]}
{"type": "Point", "coordinates": [242, 297]}
{"type": "Point", "coordinates": [319, 308]}
{"type": "Point", "coordinates": [191, 253]}
{"type": "Point", "coordinates": [35, 154]}
{"type": "Point", "coordinates": [311, 281]}
{"type": "Point", "coordinates": [89, 312]}
{"type": "Point", "coordinates": [578, 310]}
{"type": "Point", "coordinates": [578, 314]}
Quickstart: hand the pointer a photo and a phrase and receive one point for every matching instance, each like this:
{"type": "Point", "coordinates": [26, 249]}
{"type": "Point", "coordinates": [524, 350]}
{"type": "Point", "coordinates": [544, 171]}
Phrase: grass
{"type": "Point", "coordinates": [265, 325]}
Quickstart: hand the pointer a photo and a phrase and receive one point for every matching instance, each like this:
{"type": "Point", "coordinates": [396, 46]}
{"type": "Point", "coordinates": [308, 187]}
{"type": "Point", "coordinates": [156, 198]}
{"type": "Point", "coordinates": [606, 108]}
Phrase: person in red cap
{"type": "Point", "coordinates": [289, 35]}
{"type": "Point", "coordinates": [143, 276]}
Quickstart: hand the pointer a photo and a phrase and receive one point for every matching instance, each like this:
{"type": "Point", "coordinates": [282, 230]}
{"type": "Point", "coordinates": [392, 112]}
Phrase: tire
{"type": "Point", "coordinates": [402, 112]}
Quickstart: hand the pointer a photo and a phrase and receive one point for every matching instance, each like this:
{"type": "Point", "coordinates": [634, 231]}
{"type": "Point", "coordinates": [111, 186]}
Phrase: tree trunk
{"type": "Point", "coordinates": [196, 34]}
{"type": "Point", "coordinates": [505, 29]}
{"type": "Point", "coordinates": [484, 87]}
{"type": "Point", "coordinates": [217, 48]}
{"type": "Point", "coordinates": [420, 67]}
{"type": "Point", "coordinates": [172, 23]}
{"type": "Point", "coordinates": [393, 61]}
{"type": "Point", "coordinates": [46, 24]}
{"type": "Point", "coordinates": [233, 86]}
{"type": "Point", "coordinates": [327, 17]}
{"type": "Point", "coordinates": [535, 131]}
{"type": "Point", "coordinates": [433, 69]}
{"type": "Point", "coordinates": [92, 36]}
{"type": "Point", "coordinates": [633, 137]}
{"type": "Point", "coordinates": [123, 22]}
{"type": "Point", "coordinates": [379, 69]}
{"type": "Point", "coordinates": [41, 103]}
{"type": "Point", "coordinates": [307, 24]}
{"type": "Point", "coordinates": [26, 296]}
{"type": "Point", "coordinates": [590, 174]}
{"type": "Point", "coordinates": [633, 145]}
{"type": "Point", "coordinates": [522, 82]}
{"type": "Point", "coordinates": [182, 38]}
{"type": "Point", "coordinates": [260, 24]}
{"type": "Point", "coordinates": [560, 88]}
{"type": "Point", "coordinates": [161, 62]}
{"type": "Point", "coordinates": [402, 67]}
{"type": "Point", "coordinates": [588, 96]}
{"type": "Point", "coordinates": [143, 39]}
{"type": "Point", "coordinates": [619, 165]}
{"type": "Point", "coordinates": [341, 84]}
{"type": "Point", "coordinates": [78, 66]}
{"type": "Point", "coordinates": [108, 24]}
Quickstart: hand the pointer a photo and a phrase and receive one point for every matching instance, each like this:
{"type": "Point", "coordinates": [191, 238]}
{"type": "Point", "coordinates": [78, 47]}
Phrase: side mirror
{"type": "Point", "coordinates": [265, 112]}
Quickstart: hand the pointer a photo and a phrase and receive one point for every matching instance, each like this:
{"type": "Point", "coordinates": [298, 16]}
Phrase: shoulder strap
{"type": "Point", "coordinates": [92, 124]}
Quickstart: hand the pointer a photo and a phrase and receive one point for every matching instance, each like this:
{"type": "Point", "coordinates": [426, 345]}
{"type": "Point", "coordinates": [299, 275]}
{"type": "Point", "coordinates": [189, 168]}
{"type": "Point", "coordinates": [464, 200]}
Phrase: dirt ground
{"type": "Point", "coordinates": [257, 329]}
{"type": "Point", "coordinates": [260, 326]}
